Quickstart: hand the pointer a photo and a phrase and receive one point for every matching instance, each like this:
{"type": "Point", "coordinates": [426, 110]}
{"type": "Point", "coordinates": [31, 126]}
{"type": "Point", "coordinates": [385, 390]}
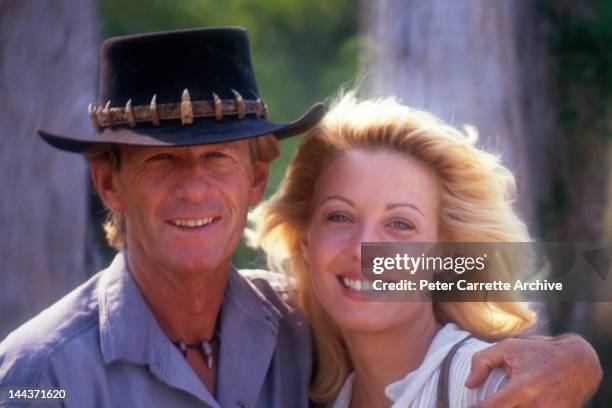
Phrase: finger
{"type": "Point", "coordinates": [510, 396]}
{"type": "Point", "coordinates": [482, 364]}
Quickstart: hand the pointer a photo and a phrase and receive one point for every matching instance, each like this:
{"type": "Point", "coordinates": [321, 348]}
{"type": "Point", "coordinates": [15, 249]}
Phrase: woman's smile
{"type": "Point", "coordinates": [353, 205]}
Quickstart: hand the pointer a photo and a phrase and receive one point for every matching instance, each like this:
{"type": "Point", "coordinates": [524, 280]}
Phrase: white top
{"type": "Point", "coordinates": [418, 388]}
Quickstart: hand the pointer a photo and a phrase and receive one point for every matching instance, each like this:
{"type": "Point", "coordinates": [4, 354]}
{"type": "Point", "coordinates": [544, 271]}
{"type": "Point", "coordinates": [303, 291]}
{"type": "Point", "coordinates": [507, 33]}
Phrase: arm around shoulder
{"type": "Point", "coordinates": [562, 372]}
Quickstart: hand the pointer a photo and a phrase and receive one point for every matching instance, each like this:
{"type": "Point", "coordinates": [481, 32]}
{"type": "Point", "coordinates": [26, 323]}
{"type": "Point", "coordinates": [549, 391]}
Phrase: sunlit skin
{"type": "Point", "coordinates": [372, 196]}
{"type": "Point", "coordinates": [182, 271]}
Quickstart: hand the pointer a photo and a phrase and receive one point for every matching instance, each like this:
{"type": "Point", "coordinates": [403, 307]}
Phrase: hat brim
{"type": "Point", "coordinates": [203, 131]}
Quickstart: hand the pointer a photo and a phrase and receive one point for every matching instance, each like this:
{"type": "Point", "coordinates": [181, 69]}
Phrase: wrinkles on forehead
{"type": "Point", "coordinates": [239, 147]}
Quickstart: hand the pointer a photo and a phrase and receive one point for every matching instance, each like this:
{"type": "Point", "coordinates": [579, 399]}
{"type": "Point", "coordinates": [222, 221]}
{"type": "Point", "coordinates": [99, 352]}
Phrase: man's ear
{"type": "Point", "coordinates": [304, 247]}
{"type": "Point", "coordinates": [261, 173]}
{"type": "Point", "coordinates": [105, 180]}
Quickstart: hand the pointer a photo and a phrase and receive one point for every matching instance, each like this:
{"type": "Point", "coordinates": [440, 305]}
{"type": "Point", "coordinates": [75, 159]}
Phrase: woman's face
{"type": "Point", "coordinates": [367, 196]}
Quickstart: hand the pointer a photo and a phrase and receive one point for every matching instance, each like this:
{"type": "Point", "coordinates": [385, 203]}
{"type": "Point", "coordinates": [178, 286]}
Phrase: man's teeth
{"type": "Point", "coordinates": [357, 285]}
{"type": "Point", "coordinates": [192, 223]}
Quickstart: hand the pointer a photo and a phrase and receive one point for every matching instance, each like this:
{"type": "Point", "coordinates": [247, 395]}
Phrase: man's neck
{"type": "Point", "coordinates": [185, 305]}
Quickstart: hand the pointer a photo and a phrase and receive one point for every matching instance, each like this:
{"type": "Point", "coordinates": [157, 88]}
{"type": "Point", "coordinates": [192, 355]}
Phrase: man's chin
{"type": "Point", "coordinates": [197, 263]}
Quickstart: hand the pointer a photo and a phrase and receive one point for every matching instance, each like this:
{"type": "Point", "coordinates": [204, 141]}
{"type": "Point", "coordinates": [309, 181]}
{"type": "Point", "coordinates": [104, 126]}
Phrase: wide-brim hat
{"type": "Point", "coordinates": [179, 88]}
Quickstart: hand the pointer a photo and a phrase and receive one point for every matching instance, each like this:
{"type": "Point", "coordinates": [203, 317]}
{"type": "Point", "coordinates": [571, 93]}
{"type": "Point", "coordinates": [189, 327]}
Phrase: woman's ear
{"type": "Point", "coordinates": [105, 179]}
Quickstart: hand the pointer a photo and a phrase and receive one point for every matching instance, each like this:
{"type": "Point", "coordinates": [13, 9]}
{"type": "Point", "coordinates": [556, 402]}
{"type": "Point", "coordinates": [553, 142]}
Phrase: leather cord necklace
{"type": "Point", "coordinates": [206, 347]}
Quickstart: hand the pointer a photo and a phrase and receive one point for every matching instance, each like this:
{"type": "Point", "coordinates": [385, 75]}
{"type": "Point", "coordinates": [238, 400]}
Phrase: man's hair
{"type": "Point", "coordinates": [476, 196]}
{"type": "Point", "coordinates": [263, 148]}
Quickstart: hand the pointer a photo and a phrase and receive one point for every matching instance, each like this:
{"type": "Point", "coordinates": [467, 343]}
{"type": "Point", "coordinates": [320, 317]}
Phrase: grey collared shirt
{"type": "Point", "coordinates": [102, 345]}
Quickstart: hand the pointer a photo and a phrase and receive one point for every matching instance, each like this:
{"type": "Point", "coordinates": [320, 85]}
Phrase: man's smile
{"type": "Point", "coordinates": [193, 222]}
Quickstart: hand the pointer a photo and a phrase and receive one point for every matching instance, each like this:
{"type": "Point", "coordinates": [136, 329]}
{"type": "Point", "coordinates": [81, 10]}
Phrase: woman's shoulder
{"type": "Point", "coordinates": [460, 395]}
{"type": "Point", "coordinates": [343, 400]}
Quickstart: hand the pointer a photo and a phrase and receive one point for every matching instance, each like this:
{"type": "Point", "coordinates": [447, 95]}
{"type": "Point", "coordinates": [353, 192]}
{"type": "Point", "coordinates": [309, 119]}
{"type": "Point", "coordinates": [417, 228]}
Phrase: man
{"type": "Point", "coordinates": [182, 152]}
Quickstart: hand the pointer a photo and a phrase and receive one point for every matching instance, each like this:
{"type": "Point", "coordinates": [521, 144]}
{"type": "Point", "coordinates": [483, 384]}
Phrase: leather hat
{"type": "Point", "coordinates": [184, 87]}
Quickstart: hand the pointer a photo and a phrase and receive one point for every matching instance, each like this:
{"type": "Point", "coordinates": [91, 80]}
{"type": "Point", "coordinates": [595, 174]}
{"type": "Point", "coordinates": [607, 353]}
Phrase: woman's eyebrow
{"type": "Point", "coordinates": [410, 205]}
{"type": "Point", "coordinates": [337, 197]}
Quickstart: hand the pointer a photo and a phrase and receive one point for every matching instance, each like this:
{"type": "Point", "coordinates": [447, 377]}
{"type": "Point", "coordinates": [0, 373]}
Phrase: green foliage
{"type": "Point", "coordinates": [580, 38]}
{"type": "Point", "coordinates": [580, 35]}
{"type": "Point", "coordinates": [302, 51]}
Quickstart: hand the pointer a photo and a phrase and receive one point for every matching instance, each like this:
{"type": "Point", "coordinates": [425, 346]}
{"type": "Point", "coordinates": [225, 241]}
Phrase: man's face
{"type": "Point", "coordinates": [186, 207]}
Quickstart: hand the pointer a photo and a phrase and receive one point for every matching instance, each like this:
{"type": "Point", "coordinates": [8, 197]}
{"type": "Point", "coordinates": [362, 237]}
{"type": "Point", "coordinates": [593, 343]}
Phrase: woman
{"type": "Point", "coordinates": [376, 171]}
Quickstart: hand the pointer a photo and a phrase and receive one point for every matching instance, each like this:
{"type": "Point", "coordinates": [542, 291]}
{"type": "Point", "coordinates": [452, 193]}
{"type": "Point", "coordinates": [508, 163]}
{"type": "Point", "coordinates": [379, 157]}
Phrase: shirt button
{"type": "Point", "coordinates": [241, 404]}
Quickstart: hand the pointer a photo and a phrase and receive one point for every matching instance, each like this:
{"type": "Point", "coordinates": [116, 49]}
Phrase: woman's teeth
{"type": "Point", "coordinates": [198, 222]}
{"type": "Point", "coordinates": [357, 285]}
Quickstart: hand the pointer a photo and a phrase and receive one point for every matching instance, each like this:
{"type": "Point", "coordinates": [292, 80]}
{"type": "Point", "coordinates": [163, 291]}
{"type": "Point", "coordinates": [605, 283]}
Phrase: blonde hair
{"type": "Point", "coordinates": [476, 196]}
{"type": "Point", "coordinates": [263, 148]}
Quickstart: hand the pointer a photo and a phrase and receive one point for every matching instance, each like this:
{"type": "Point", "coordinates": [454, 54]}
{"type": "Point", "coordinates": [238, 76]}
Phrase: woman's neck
{"type": "Point", "coordinates": [383, 357]}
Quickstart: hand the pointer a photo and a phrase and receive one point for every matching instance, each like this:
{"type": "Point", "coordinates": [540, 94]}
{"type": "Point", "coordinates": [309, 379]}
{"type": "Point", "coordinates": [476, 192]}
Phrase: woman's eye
{"type": "Point", "coordinates": [402, 225]}
{"type": "Point", "coordinates": [335, 217]}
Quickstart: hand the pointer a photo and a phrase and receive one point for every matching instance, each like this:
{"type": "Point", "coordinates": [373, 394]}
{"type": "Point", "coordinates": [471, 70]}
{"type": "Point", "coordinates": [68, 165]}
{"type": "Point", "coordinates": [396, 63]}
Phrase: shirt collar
{"type": "Point", "coordinates": [408, 388]}
{"type": "Point", "coordinates": [129, 332]}
{"type": "Point", "coordinates": [247, 297]}
{"type": "Point", "coordinates": [248, 334]}
{"type": "Point", "coordinates": [128, 329]}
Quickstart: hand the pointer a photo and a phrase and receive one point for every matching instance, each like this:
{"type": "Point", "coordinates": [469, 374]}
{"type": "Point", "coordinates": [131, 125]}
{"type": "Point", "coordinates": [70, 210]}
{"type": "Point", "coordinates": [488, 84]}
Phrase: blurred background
{"type": "Point", "coordinates": [534, 76]}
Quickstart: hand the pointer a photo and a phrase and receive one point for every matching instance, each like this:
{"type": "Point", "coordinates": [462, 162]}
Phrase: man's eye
{"type": "Point", "coordinates": [215, 155]}
{"type": "Point", "coordinates": [161, 156]}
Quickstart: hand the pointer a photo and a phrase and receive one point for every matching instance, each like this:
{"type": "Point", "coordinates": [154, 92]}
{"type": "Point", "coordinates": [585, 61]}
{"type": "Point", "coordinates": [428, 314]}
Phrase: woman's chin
{"type": "Point", "coordinates": [371, 321]}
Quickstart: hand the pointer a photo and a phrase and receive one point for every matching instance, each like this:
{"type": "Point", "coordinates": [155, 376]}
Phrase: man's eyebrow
{"type": "Point", "coordinates": [222, 146]}
{"type": "Point", "coordinates": [337, 197]}
{"type": "Point", "coordinates": [145, 149]}
{"type": "Point", "coordinates": [410, 205]}
{"type": "Point", "coordinates": [226, 145]}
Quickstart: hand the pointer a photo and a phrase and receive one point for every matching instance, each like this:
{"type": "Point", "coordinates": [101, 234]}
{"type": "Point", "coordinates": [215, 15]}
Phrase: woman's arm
{"type": "Point", "coordinates": [558, 372]}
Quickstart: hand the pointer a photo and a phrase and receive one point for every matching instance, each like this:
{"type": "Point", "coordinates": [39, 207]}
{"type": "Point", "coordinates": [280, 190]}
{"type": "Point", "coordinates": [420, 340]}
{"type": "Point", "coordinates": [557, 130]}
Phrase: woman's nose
{"type": "Point", "coordinates": [366, 233]}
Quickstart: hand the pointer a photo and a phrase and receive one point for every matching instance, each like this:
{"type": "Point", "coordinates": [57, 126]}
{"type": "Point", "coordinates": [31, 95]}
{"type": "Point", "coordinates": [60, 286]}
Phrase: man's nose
{"type": "Point", "coordinates": [193, 183]}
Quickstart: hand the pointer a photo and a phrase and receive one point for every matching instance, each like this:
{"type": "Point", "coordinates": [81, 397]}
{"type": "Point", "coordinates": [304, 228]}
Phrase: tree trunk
{"type": "Point", "coordinates": [489, 63]}
{"type": "Point", "coordinates": [477, 62]}
{"type": "Point", "coordinates": [48, 68]}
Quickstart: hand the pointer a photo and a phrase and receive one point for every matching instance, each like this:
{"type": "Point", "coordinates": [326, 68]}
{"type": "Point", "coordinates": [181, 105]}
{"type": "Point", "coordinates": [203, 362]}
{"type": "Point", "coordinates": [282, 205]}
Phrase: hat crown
{"type": "Point", "coordinates": [204, 61]}
{"type": "Point", "coordinates": [179, 88]}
